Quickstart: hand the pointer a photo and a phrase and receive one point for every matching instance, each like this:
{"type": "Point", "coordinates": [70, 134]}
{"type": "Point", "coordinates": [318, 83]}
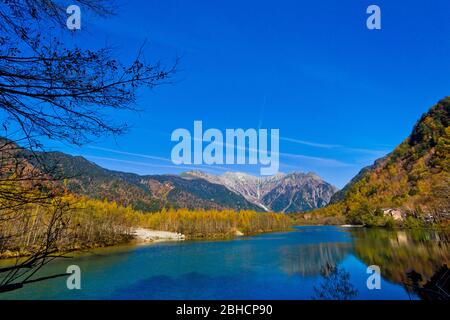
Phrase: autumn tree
{"type": "Point", "coordinates": [61, 92]}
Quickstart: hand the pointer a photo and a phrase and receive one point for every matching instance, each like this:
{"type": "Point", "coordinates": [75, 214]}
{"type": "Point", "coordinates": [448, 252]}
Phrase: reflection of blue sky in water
{"type": "Point", "coordinates": [260, 267]}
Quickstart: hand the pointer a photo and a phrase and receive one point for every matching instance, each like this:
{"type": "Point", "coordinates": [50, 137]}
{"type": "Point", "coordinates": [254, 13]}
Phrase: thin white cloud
{"type": "Point", "coordinates": [335, 146]}
{"type": "Point", "coordinates": [320, 161]}
{"type": "Point", "coordinates": [146, 156]}
{"type": "Point", "coordinates": [326, 162]}
{"type": "Point", "coordinates": [146, 164]}
{"type": "Point", "coordinates": [130, 154]}
{"type": "Point", "coordinates": [310, 143]}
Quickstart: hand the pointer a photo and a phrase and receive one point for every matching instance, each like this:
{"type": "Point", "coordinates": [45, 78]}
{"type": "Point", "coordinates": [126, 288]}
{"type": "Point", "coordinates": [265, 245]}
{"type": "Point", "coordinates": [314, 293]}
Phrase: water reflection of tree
{"type": "Point", "coordinates": [398, 252]}
{"type": "Point", "coordinates": [336, 285]}
{"type": "Point", "coordinates": [437, 288]}
{"type": "Point", "coordinates": [308, 259]}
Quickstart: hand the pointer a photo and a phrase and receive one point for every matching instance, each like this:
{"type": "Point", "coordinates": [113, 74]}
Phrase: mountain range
{"type": "Point", "coordinates": [414, 177]}
{"type": "Point", "coordinates": [293, 192]}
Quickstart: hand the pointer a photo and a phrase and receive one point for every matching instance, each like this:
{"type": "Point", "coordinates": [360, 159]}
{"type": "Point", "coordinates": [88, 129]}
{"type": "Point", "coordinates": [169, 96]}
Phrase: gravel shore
{"type": "Point", "coordinates": [147, 235]}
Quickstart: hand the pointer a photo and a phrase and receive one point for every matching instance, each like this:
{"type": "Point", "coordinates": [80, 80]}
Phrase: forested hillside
{"type": "Point", "coordinates": [148, 193]}
{"type": "Point", "coordinates": [413, 179]}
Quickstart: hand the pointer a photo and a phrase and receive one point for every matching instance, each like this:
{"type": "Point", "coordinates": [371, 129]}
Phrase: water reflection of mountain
{"type": "Point", "coordinates": [400, 252]}
{"type": "Point", "coordinates": [310, 259]}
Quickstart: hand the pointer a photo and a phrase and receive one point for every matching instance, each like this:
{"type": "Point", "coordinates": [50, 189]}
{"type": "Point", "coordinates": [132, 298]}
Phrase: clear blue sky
{"type": "Point", "coordinates": [341, 95]}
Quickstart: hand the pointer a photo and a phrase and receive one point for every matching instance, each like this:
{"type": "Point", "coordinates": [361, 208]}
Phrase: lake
{"type": "Point", "coordinates": [310, 262]}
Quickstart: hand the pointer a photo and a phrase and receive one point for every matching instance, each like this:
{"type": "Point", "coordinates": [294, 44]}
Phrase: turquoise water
{"type": "Point", "coordinates": [289, 265]}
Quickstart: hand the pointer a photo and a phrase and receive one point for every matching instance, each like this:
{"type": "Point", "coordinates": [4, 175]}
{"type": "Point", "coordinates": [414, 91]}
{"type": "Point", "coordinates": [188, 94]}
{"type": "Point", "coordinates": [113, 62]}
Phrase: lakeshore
{"type": "Point", "coordinates": [279, 265]}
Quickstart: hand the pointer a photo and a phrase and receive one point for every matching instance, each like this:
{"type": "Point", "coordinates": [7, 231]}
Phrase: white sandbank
{"type": "Point", "coordinates": [147, 235]}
